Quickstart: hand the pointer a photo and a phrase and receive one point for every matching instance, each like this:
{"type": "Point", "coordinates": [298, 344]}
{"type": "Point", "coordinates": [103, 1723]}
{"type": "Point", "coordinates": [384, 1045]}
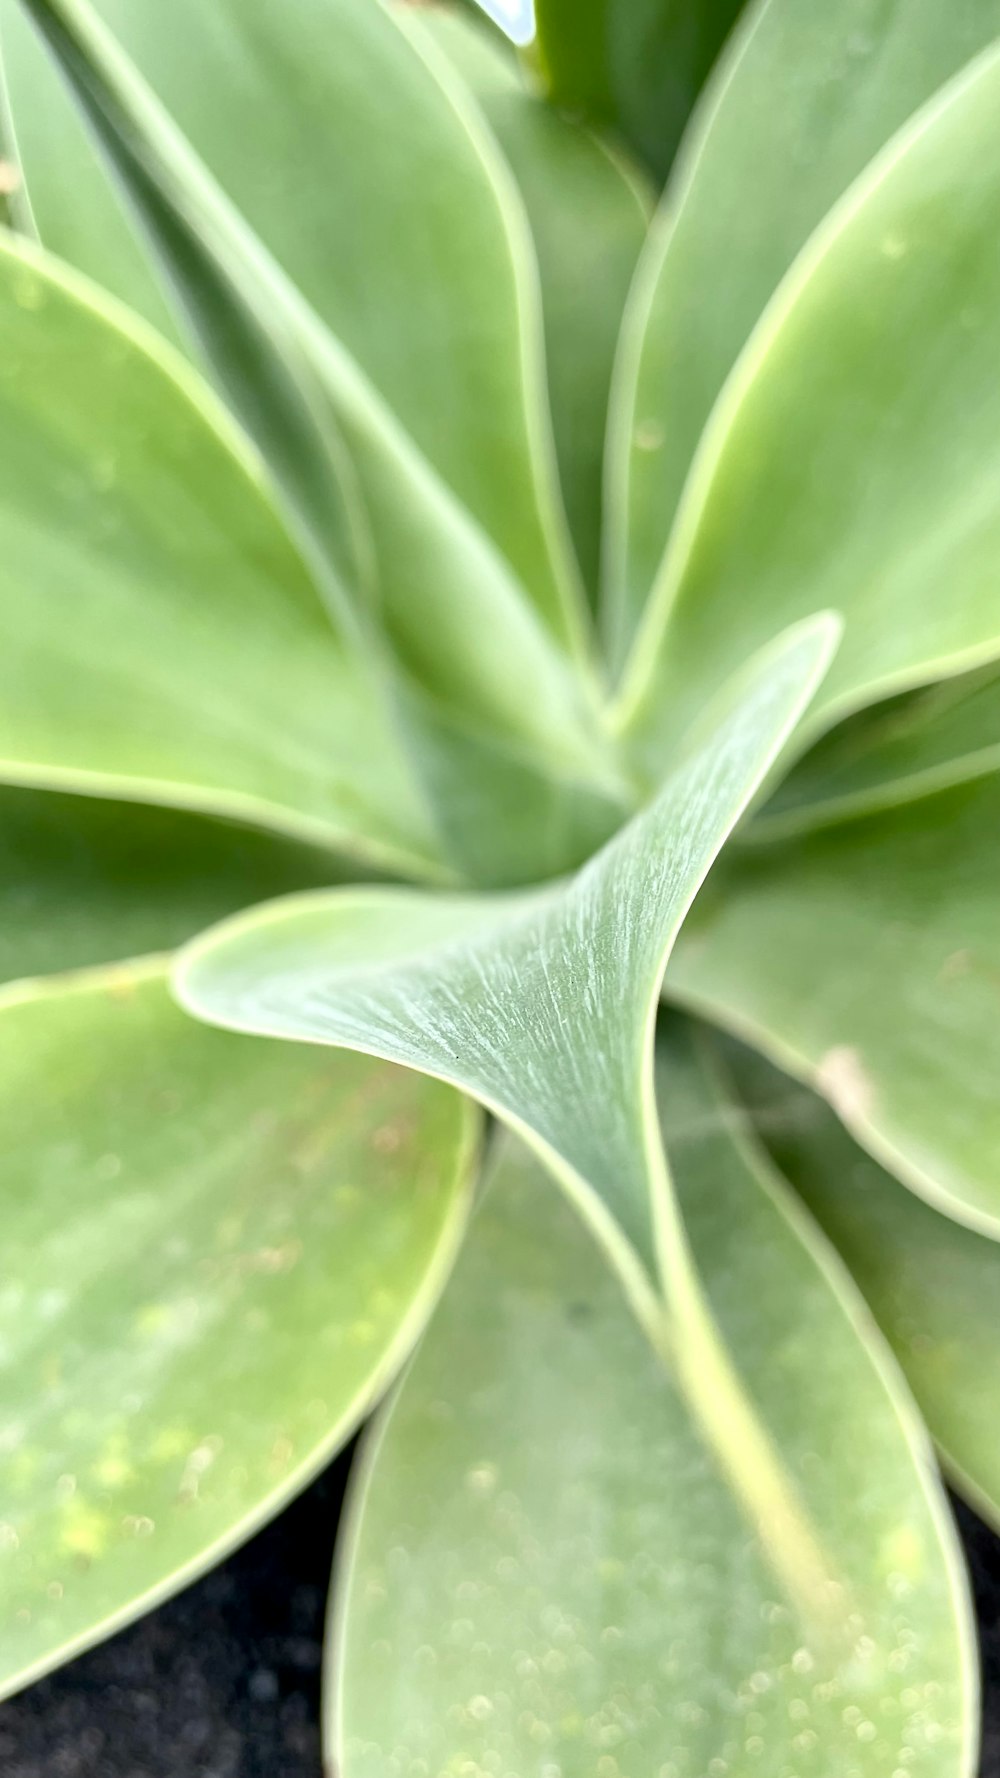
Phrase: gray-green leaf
{"type": "Point", "coordinates": [864, 958]}
{"type": "Point", "coordinates": [543, 1568]}
{"type": "Point", "coordinates": [216, 1254]}
{"type": "Point", "coordinates": [804, 97]}
{"type": "Point", "coordinates": [932, 1285]}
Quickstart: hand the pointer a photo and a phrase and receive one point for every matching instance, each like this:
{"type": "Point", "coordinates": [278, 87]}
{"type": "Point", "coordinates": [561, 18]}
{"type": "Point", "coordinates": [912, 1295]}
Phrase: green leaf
{"type": "Point", "coordinates": [162, 640]}
{"type": "Point", "coordinates": [416, 254]}
{"type": "Point", "coordinates": [931, 1284]}
{"type": "Point", "coordinates": [85, 881]}
{"type": "Point", "coordinates": [80, 217]}
{"type": "Point", "coordinates": [864, 959]}
{"type": "Point", "coordinates": [908, 747]}
{"type": "Point", "coordinates": [216, 1254]}
{"type": "Point", "coordinates": [635, 66]}
{"type": "Point", "coordinates": [544, 1571]}
{"type": "Point", "coordinates": [543, 1006]}
{"type": "Point", "coordinates": [539, 1004]}
{"type": "Point", "coordinates": [841, 462]}
{"type": "Point", "coordinates": [473, 654]}
{"type": "Point", "coordinates": [588, 211]}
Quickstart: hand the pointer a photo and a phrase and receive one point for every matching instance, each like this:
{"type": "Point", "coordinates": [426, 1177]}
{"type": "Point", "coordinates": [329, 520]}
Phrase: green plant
{"type": "Point", "coordinates": [655, 1495]}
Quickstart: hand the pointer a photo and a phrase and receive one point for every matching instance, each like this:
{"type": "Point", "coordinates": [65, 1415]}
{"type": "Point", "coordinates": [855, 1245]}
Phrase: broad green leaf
{"type": "Point", "coordinates": [931, 1285]}
{"type": "Point", "coordinates": [805, 96]}
{"type": "Point", "coordinates": [415, 253]}
{"type": "Point", "coordinates": [86, 881]}
{"type": "Point", "coordinates": [81, 216]}
{"type": "Point", "coordinates": [634, 66]}
{"type": "Point", "coordinates": [540, 1004]}
{"type": "Point", "coordinates": [881, 488]}
{"type": "Point", "coordinates": [161, 639]}
{"type": "Point", "coordinates": [216, 1253]}
{"type": "Point", "coordinates": [864, 958]}
{"type": "Point", "coordinates": [588, 215]}
{"type": "Point", "coordinates": [472, 654]}
{"type": "Point", "coordinates": [908, 747]}
{"type": "Point", "coordinates": [543, 1571]}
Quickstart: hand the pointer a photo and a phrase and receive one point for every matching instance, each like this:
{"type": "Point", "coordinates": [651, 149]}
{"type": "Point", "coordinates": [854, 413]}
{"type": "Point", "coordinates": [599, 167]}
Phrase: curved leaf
{"type": "Point", "coordinates": [80, 218]}
{"type": "Point", "coordinates": [634, 66]}
{"type": "Point", "coordinates": [864, 958]}
{"type": "Point", "coordinates": [909, 747]}
{"type": "Point", "coordinates": [541, 1005]}
{"type": "Point", "coordinates": [161, 639]}
{"type": "Point", "coordinates": [544, 1007]}
{"type": "Point", "coordinates": [544, 1570]}
{"type": "Point", "coordinates": [85, 881]}
{"type": "Point", "coordinates": [216, 1253]}
{"type": "Point", "coordinates": [588, 215]}
{"type": "Point", "coordinates": [472, 654]}
{"type": "Point", "coordinates": [415, 253]}
{"type": "Point", "coordinates": [805, 96]}
{"type": "Point", "coordinates": [931, 1284]}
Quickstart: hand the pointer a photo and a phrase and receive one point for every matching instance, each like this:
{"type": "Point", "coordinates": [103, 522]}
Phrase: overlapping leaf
{"type": "Point", "coordinates": [931, 1284]}
{"type": "Point", "coordinates": [85, 881]}
{"type": "Point", "coordinates": [216, 1253]}
{"type": "Point", "coordinates": [805, 97]}
{"type": "Point", "coordinates": [539, 1004]}
{"type": "Point", "coordinates": [260, 96]}
{"type": "Point", "coordinates": [865, 959]}
{"type": "Point", "coordinates": [635, 67]}
{"type": "Point", "coordinates": [476, 659]}
{"type": "Point", "coordinates": [588, 214]}
{"type": "Point", "coordinates": [80, 218]}
{"type": "Point", "coordinates": [544, 1569]}
{"type": "Point", "coordinates": [161, 638]}
{"type": "Point", "coordinates": [912, 745]}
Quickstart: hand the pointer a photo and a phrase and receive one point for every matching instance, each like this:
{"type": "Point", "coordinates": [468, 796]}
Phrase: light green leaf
{"type": "Point", "coordinates": [932, 1285]}
{"type": "Point", "coordinates": [542, 1567]}
{"type": "Point", "coordinates": [634, 66]}
{"type": "Point", "coordinates": [162, 640]}
{"type": "Point", "coordinates": [864, 959]}
{"type": "Point", "coordinates": [588, 211]}
{"type": "Point", "coordinates": [473, 654]}
{"type": "Point", "coordinates": [540, 1004]}
{"type": "Point", "coordinates": [85, 881]}
{"type": "Point", "coordinates": [804, 97]}
{"type": "Point", "coordinates": [216, 1254]}
{"type": "Point", "coordinates": [543, 1006]}
{"type": "Point", "coordinates": [908, 747]}
{"type": "Point", "coordinates": [79, 217]}
{"type": "Point", "coordinates": [415, 254]}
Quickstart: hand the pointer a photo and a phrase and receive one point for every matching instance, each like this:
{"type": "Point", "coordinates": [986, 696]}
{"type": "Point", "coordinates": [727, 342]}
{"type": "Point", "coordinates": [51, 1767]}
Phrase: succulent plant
{"type": "Point", "coordinates": [500, 747]}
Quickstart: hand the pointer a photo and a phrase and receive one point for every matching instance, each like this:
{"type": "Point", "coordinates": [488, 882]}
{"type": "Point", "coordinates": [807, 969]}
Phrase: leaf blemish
{"type": "Point", "coordinates": [842, 1080]}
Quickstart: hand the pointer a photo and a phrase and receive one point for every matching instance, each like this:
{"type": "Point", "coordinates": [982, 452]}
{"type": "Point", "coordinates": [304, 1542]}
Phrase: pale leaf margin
{"type": "Point", "coordinates": [532, 938]}
{"type": "Point", "coordinates": [119, 977]}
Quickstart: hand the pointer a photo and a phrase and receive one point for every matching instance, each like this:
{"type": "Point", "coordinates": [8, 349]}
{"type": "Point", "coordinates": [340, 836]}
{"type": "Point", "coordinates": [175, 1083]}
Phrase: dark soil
{"type": "Point", "coordinates": [224, 1682]}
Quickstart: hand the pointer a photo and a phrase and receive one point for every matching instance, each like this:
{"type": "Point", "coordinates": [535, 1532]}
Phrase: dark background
{"type": "Point", "coordinates": [224, 1681]}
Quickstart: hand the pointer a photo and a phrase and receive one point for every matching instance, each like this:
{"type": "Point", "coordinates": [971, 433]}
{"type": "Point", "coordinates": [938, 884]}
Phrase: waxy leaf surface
{"type": "Point", "coordinates": [864, 958]}
{"type": "Point", "coordinates": [80, 217]}
{"type": "Point", "coordinates": [542, 1566]}
{"type": "Point", "coordinates": [588, 210]}
{"type": "Point", "coordinates": [496, 709]}
{"type": "Point", "coordinates": [541, 1005]}
{"type": "Point", "coordinates": [908, 747]}
{"type": "Point", "coordinates": [216, 1253]}
{"type": "Point", "coordinates": [804, 97]}
{"type": "Point", "coordinates": [931, 1284]}
{"type": "Point", "coordinates": [85, 881]}
{"type": "Point", "coordinates": [162, 640]}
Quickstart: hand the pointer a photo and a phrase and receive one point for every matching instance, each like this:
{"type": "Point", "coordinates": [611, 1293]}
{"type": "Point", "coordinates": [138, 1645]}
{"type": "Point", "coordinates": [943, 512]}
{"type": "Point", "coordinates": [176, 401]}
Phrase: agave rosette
{"type": "Point", "coordinates": [426, 549]}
